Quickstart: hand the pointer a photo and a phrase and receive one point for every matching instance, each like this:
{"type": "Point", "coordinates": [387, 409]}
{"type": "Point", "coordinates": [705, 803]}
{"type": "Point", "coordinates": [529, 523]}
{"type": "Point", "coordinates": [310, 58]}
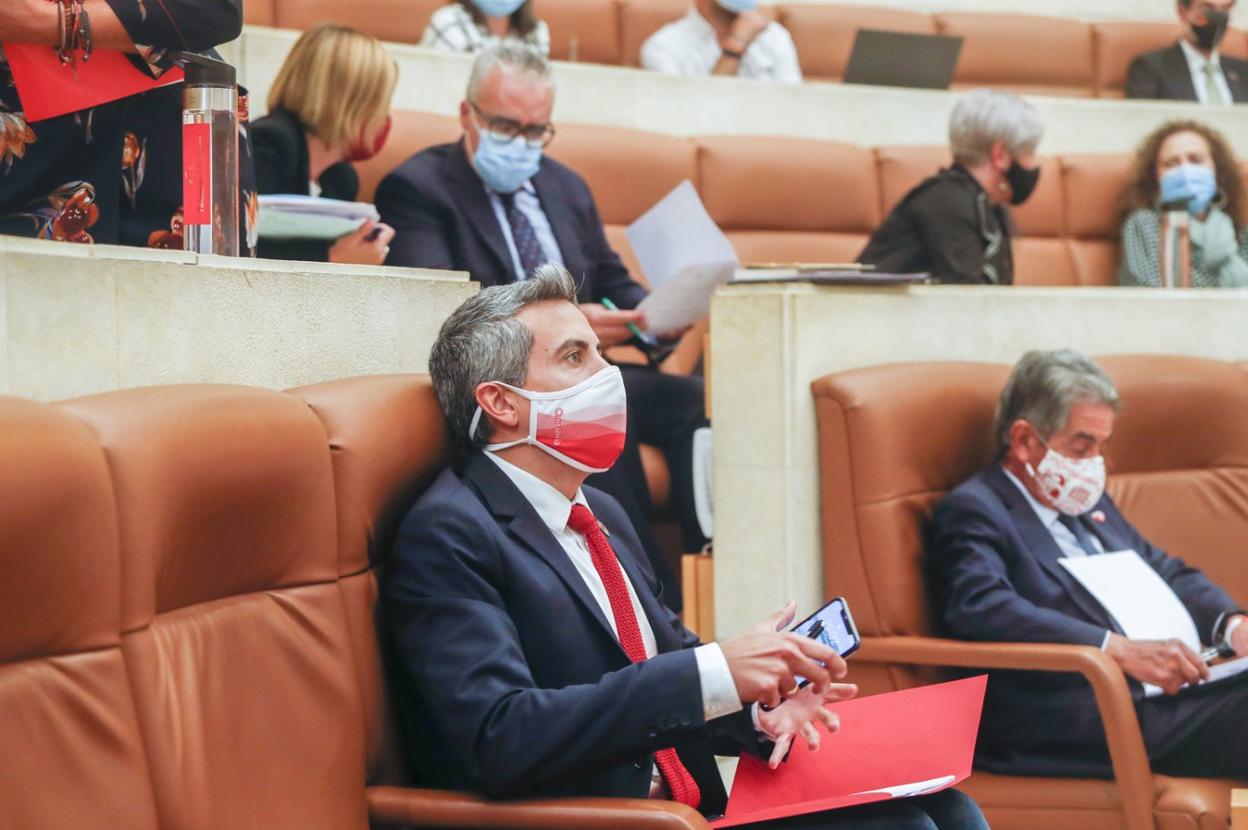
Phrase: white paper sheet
{"type": "Point", "coordinates": [683, 255]}
{"type": "Point", "coordinates": [1142, 603]}
{"type": "Point", "coordinates": [291, 216]}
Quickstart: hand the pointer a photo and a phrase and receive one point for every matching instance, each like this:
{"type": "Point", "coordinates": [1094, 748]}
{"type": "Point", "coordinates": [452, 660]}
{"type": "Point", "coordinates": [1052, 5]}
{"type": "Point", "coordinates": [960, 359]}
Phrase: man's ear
{"type": "Point", "coordinates": [496, 405]}
{"type": "Point", "coordinates": [1021, 440]}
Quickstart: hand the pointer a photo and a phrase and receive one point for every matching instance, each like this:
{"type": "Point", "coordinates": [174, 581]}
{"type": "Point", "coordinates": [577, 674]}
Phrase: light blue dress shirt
{"type": "Point", "coordinates": [527, 203]}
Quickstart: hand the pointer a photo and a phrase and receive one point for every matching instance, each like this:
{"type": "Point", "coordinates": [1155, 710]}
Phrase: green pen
{"type": "Point", "coordinates": [648, 339]}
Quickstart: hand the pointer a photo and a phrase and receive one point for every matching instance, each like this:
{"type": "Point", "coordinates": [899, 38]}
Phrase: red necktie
{"type": "Point", "coordinates": [679, 782]}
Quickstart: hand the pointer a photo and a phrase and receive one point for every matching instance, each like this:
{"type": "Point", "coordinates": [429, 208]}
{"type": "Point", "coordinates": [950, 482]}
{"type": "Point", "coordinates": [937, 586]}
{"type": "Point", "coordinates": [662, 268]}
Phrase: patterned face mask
{"type": "Point", "coordinates": [1072, 485]}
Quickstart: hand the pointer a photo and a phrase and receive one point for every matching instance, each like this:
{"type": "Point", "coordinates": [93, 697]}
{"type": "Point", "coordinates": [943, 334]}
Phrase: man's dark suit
{"type": "Point", "coordinates": [515, 683]}
{"type": "Point", "coordinates": [995, 573]}
{"type": "Point", "coordinates": [442, 218]}
{"type": "Point", "coordinates": [1164, 75]}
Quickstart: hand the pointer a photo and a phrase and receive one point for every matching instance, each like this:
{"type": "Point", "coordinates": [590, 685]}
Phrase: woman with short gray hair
{"type": "Point", "coordinates": [955, 225]}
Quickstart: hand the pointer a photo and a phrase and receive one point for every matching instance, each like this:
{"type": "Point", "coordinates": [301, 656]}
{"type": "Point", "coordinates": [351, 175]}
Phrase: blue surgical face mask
{"type": "Point", "coordinates": [498, 8]}
{"type": "Point", "coordinates": [738, 6]}
{"type": "Point", "coordinates": [1193, 184]}
{"type": "Point", "coordinates": [505, 165]}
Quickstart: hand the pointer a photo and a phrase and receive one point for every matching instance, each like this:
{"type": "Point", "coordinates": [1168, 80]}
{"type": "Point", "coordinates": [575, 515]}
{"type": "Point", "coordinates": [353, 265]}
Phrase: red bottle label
{"type": "Point", "coordinates": [197, 173]}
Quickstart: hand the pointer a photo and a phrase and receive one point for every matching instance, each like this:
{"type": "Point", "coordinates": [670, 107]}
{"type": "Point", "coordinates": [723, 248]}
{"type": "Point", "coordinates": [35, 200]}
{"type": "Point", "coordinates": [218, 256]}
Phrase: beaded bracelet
{"type": "Point", "coordinates": [74, 30]}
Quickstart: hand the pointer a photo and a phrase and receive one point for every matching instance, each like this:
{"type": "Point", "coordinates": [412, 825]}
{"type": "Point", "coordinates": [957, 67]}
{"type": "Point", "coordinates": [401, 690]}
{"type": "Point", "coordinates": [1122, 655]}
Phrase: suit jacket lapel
{"type": "Point", "coordinates": [1236, 81]}
{"type": "Point", "coordinates": [1041, 544]}
{"type": "Point", "coordinates": [664, 638]}
{"type": "Point", "coordinates": [1180, 73]}
{"type": "Point", "coordinates": [562, 221]}
{"type": "Point", "coordinates": [512, 509]}
{"type": "Point", "coordinates": [470, 193]}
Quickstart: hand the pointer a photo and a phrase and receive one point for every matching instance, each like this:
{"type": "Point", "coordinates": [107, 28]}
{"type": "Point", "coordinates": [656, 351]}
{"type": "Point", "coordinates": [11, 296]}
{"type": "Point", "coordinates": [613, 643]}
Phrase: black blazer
{"type": "Point", "coordinates": [994, 570]}
{"type": "Point", "coordinates": [279, 143]}
{"type": "Point", "coordinates": [944, 226]}
{"type": "Point", "coordinates": [442, 217]}
{"type": "Point", "coordinates": [511, 680]}
{"type": "Point", "coordinates": [1164, 74]}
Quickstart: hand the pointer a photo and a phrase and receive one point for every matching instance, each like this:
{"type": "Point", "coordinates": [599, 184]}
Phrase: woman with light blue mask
{"type": "Point", "coordinates": [472, 25]}
{"type": "Point", "coordinates": [1186, 164]}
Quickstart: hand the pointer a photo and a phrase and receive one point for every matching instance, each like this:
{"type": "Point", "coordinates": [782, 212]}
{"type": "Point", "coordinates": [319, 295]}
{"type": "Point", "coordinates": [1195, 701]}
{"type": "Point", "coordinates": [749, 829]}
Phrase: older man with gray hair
{"type": "Point", "coordinates": [494, 205]}
{"type": "Point", "coordinates": [955, 224]}
{"type": "Point", "coordinates": [994, 552]}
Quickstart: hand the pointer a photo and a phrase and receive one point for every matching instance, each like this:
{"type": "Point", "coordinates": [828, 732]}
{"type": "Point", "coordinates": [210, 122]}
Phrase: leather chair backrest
{"type": "Point", "coordinates": [400, 21]}
{"type": "Point", "coordinates": [1024, 53]}
{"type": "Point", "coordinates": [893, 439]}
{"type": "Point", "coordinates": [260, 12]}
{"type": "Point", "coordinates": [587, 31]}
{"type": "Point", "coordinates": [1092, 186]}
{"type": "Point", "coordinates": [1117, 43]}
{"type": "Point", "coordinates": [786, 199]}
{"type": "Point", "coordinates": [824, 33]}
{"type": "Point", "coordinates": [236, 639]}
{"type": "Point", "coordinates": [70, 748]}
{"type": "Point", "coordinates": [641, 18]}
{"type": "Point", "coordinates": [411, 133]}
{"type": "Point", "coordinates": [387, 439]}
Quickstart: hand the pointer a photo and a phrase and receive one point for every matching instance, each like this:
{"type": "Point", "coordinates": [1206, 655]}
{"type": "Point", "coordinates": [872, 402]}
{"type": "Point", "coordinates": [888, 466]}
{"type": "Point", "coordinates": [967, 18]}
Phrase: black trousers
{"type": "Point", "coordinates": [945, 810]}
{"type": "Point", "coordinates": [663, 411]}
{"type": "Point", "coordinates": [1201, 732]}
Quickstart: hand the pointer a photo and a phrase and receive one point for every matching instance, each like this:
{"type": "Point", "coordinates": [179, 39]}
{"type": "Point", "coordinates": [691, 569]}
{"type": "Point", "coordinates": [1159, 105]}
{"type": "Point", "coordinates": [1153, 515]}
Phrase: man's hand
{"type": "Point", "coordinates": [612, 326]}
{"type": "Point", "coordinates": [1239, 640]}
{"type": "Point", "coordinates": [745, 28]}
{"type": "Point", "coordinates": [764, 660]}
{"type": "Point", "coordinates": [1170, 664]}
{"type": "Point", "coordinates": [797, 716]}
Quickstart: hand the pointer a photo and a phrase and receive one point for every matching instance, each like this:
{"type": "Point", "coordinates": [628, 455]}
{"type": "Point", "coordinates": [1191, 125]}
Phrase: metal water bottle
{"type": "Point", "coordinates": [1176, 246]}
{"type": "Point", "coordinates": [210, 198]}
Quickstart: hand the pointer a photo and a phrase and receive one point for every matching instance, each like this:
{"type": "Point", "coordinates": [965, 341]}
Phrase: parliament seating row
{"type": "Point", "coordinates": [188, 633]}
{"type": "Point", "coordinates": [1024, 53]}
{"type": "Point", "coordinates": [795, 199]}
{"type": "Point", "coordinates": [1179, 472]}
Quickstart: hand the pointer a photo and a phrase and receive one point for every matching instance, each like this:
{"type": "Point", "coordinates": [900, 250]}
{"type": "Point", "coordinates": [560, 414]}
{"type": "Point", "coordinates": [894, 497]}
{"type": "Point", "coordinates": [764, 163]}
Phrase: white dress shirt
{"type": "Point", "coordinates": [1196, 65]}
{"type": "Point", "coordinates": [452, 28]}
{"type": "Point", "coordinates": [527, 203]}
{"type": "Point", "coordinates": [689, 46]}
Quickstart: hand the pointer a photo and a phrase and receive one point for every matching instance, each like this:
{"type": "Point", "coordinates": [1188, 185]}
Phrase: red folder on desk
{"type": "Point", "coordinates": [48, 88]}
{"type": "Point", "coordinates": [895, 745]}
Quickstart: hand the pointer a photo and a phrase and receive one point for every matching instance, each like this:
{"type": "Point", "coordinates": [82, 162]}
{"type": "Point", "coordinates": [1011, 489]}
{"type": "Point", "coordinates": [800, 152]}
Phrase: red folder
{"type": "Point", "coordinates": [48, 88]}
{"type": "Point", "coordinates": [895, 745]}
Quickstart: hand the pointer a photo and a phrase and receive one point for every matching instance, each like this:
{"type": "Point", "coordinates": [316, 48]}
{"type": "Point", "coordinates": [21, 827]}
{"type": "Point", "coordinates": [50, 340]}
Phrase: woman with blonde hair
{"type": "Point", "coordinates": [1189, 166]}
{"type": "Point", "coordinates": [472, 25]}
{"type": "Point", "coordinates": [329, 106]}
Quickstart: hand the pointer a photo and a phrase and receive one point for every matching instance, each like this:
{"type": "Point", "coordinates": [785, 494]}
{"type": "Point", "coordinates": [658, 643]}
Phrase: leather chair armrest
{"type": "Point", "coordinates": [1113, 697]}
{"type": "Point", "coordinates": [440, 808]}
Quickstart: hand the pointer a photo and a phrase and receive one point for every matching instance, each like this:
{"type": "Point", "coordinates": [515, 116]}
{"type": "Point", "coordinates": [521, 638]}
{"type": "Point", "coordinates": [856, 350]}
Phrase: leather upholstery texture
{"type": "Point", "coordinates": [895, 438]}
{"type": "Point", "coordinates": [189, 633]}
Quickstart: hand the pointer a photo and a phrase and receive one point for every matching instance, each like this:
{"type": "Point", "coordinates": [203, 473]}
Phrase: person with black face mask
{"type": "Point", "coordinates": [1194, 69]}
{"type": "Point", "coordinates": [955, 225]}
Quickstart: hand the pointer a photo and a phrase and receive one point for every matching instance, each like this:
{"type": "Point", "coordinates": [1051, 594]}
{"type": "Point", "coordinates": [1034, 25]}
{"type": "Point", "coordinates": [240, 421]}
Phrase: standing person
{"type": "Point", "coordinates": [473, 25]}
{"type": "Point", "coordinates": [112, 173]}
{"type": "Point", "coordinates": [537, 657]}
{"type": "Point", "coordinates": [1193, 69]}
{"type": "Point", "coordinates": [1192, 165]}
{"type": "Point", "coordinates": [328, 107]}
{"type": "Point", "coordinates": [955, 225]}
{"type": "Point", "coordinates": [724, 37]}
{"type": "Point", "coordinates": [494, 205]}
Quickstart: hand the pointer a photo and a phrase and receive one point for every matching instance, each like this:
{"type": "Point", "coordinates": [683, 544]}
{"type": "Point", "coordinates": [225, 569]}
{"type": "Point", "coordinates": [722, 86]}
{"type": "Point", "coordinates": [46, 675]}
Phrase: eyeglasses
{"type": "Point", "coordinates": [505, 129]}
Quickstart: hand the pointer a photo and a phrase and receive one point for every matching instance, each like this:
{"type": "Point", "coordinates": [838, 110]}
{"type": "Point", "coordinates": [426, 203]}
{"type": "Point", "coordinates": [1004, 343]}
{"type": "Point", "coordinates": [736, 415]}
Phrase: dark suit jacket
{"type": "Point", "coordinates": [1164, 75]}
{"type": "Point", "coordinates": [512, 682]}
{"type": "Point", "coordinates": [280, 145]}
{"type": "Point", "coordinates": [995, 574]}
{"type": "Point", "coordinates": [439, 209]}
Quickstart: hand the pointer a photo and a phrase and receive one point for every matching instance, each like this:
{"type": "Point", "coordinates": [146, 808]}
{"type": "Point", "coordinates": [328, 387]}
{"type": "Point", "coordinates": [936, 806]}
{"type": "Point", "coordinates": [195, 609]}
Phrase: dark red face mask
{"type": "Point", "coordinates": [362, 149]}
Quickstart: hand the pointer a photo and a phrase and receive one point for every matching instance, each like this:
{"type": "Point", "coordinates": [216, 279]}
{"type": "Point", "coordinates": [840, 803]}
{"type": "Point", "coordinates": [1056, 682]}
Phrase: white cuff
{"type": "Point", "coordinates": [1105, 642]}
{"type": "Point", "coordinates": [1230, 629]}
{"type": "Point", "coordinates": [719, 692]}
{"type": "Point", "coordinates": [758, 724]}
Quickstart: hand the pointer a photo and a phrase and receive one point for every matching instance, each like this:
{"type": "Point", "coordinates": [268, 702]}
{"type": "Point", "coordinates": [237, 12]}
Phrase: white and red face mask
{"type": "Point", "coordinates": [1072, 485]}
{"type": "Point", "coordinates": [582, 426]}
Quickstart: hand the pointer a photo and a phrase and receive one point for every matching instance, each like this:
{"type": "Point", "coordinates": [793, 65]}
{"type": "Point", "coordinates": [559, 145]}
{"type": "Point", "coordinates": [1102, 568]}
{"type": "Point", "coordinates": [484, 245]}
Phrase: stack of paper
{"type": "Point", "coordinates": [288, 216]}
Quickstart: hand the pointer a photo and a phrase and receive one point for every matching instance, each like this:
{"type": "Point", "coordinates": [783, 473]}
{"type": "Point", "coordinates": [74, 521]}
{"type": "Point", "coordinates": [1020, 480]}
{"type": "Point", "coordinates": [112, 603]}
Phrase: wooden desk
{"type": "Point", "coordinates": [1239, 809]}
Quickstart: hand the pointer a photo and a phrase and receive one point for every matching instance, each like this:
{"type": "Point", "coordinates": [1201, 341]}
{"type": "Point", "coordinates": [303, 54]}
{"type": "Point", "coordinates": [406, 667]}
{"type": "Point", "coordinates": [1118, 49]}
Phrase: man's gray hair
{"type": "Point", "coordinates": [983, 117]}
{"type": "Point", "coordinates": [1044, 386]}
{"type": "Point", "coordinates": [483, 341]}
{"type": "Point", "coordinates": [513, 57]}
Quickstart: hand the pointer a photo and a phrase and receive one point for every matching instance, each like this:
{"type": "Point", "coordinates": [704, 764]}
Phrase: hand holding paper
{"type": "Point", "coordinates": [800, 714]}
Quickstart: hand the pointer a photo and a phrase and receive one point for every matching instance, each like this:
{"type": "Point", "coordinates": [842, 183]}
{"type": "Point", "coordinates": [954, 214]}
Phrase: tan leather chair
{"type": "Point", "coordinates": [1023, 53]}
{"type": "Point", "coordinates": [1118, 42]}
{"type": "Point", "coordinates": [894, 439]}
{"type": "Point", "coordinates": [259, 12]}
{"type": "Point", "coordinates": [401, 21]}
{"type": "Point", "coordinates": [582, 30]}
{"type": "Point", "coordinates": [789, 199]}
{"type": "Point", "coordinates": [824, 34]}
{"type": "Point", "coordinates": [1041, 255]}
{"type": "Point", "coordinates": [1092, 188]}
{"type": "Point", "coordinates": [641, 18]}
{"type": "Point", "coordinates": [411, 133]}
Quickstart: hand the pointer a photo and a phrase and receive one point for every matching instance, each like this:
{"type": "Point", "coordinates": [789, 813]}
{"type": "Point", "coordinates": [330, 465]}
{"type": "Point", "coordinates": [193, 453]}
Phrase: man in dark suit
{"type": "Point", "coordinates": [1192, 69]}
{"type": "Point", "coordinates": [993, 557]}
{"type": "Point", "coordinates": [494, 205]}
{"type": "Point", "coordinates": [538, 657]}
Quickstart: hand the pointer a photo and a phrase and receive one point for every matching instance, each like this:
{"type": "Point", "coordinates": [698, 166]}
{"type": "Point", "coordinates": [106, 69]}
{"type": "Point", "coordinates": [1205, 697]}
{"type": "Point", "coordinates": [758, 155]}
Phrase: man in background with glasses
{"type": "Point", "coordinates": [494, 205]}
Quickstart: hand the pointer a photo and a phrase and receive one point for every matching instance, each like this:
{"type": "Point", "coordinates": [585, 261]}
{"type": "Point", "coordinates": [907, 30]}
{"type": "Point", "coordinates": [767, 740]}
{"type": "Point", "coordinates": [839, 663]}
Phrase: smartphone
{"type": "Point", "coordinates": [833, 626]}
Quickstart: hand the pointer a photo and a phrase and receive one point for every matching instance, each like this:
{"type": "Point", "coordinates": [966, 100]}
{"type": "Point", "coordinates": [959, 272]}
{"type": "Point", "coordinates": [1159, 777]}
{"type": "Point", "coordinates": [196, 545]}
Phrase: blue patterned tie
{"type": "Point", "coordinates": [1082, 535]}
{"type": "Point", "coordinates": [523, 235]}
